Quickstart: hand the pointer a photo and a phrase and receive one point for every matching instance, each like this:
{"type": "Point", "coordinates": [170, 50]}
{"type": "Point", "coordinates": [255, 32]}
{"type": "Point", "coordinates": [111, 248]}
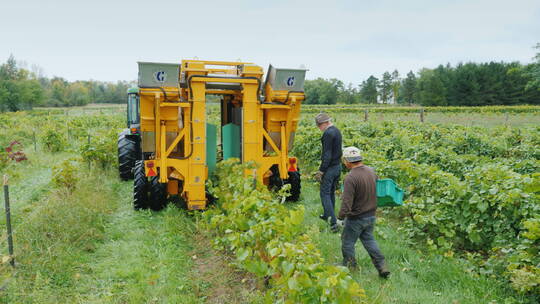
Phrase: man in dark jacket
{"type": "Point", "coordinates": [330, 168]}
{"type": "Point", "coordinates": [358, 206]}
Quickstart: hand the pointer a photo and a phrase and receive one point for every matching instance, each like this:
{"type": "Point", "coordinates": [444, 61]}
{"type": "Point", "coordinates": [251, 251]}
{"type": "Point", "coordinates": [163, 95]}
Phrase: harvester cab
{"type": "Point", "coordinates": [175, 147]}
{"type": "Point", "coordinates": [133, 115]}
{"type": "Point", "coordinates": [129, 139]}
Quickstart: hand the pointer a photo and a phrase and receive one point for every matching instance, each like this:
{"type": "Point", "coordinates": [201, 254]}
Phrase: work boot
{"type": "Point", "coordinates": [334, 228]}
{"type": "Point", "coordinates": [384, 272]}
{"type": "Point", "coordinates": [351, 264]}
{"type": "Point", "coordinates": [324, 218]}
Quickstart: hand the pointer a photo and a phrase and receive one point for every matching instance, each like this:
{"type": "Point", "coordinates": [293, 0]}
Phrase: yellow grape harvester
{"type": "Point", "coordinates": [170, 148]}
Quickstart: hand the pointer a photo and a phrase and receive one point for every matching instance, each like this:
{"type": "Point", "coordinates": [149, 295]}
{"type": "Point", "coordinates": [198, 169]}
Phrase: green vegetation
{"type": "Point", "coordinates": [77, 245]}
{"type": "Point", "coordinates": [21, 89]}
{"type": "Point", "coordinates": [322, 91]}
{"type": "Point", "coordinates": [472, 191]}
{"type": "Point", "coordinates": [466, 84]}
{"type": "Point", "coordinates": [368, 91]}
{"type": "Point", "coordinates": [77, 239]}
{"type": "Point", "coordinates": [417, 275]}
{"type": "Point", "coordinates": [534, 71]}
{"type": "Point", "coordinates": [358, 109]}
{"type": "Point", "coordinates": [269, 240]}
{"type": "Point", "coordinates": [18, 88]}
{"type": "Point", "coordinates": [60, 92]}
{"type": "Point", "coordinates": [487, 116]}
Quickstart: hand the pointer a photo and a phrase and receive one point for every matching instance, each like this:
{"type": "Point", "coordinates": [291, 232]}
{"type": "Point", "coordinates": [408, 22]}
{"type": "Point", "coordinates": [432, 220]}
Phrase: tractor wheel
{"type": "Point", "coordinates": [140, 187]}
{"type": "Point", "coordinates": [294, 180]}
{"type": "Point", "coordinates": [275, 182]}
{"type": "Point", "coordinates": [127, 155]}
{"type": "Point", "coordinates": [158, 194]}
{"type": "Point", "coordinates": [210, 199]}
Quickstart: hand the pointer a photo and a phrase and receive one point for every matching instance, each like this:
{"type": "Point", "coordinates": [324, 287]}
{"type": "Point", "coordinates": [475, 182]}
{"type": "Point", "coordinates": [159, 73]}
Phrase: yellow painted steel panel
{"type": "Point", "coordinates": [183, 110]}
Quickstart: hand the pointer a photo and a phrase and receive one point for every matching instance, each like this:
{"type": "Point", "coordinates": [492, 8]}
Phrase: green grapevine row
{"type": "Point", "coordinates": [470, 189]}
{"type": "Point", "coordinates": [269, 240]}
{"type": "Point", "coordinates": [56, 133]}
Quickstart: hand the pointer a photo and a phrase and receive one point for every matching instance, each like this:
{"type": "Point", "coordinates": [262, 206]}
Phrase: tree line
{"type": "Point", "coordinates": [21, 89]}
{"type": "Point", "coordinates": [466, 84]}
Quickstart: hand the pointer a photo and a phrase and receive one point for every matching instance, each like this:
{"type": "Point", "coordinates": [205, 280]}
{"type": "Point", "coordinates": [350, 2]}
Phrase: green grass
{"type": "Point", "coordinates": [417, 276]}
{"type": "Point", "coordinates": [144, 258]}
{"type": "Point", "coordinates": [89, 246]}
{"type": "Point", "coordinates": [30, 181]}
{"type": "Point", "coordinates": [55, 239]}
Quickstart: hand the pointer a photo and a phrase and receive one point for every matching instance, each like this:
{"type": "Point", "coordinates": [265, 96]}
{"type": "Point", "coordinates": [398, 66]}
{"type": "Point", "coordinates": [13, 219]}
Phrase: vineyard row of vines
{"type": "Point", "coordinates": [471, 191]}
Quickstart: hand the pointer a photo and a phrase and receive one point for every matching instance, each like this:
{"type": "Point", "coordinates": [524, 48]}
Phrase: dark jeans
{"type": "Point", "coordinates": [360, 228]}
{"type": "Point", "coordinates": [328, 190]}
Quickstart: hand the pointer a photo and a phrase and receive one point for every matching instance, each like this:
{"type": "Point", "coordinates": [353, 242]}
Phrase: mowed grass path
{"type": "Point", "coordinates": [417, 277]}
{"type": "Point", "coordinates": [89, 246]}
{"type": "Point", "coordinates": [144, 258]}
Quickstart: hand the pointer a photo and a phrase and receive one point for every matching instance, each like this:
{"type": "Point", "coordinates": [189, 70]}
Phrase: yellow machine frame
{"type": "Point", "coordinates": [162, 108]}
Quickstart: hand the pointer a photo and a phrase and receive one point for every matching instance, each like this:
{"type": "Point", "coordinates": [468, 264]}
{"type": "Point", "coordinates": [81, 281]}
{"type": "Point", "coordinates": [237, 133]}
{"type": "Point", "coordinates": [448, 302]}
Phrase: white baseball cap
{"type": "Point", "coordinates": [352, 154]}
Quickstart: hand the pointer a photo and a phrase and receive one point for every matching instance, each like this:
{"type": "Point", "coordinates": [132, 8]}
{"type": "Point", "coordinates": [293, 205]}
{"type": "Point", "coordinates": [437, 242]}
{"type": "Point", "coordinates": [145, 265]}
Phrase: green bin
{"type": "Point", "coordinates": [211, 147]}
{"type": "Point", "coordinates": [231, 141]}
{"type": "Point", "coordinates": [388, 193]}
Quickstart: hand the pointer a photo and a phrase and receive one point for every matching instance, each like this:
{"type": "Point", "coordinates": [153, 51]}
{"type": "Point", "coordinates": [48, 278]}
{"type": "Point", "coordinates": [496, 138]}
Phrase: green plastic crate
{"type": "Point", "coordinates": [388, 193]}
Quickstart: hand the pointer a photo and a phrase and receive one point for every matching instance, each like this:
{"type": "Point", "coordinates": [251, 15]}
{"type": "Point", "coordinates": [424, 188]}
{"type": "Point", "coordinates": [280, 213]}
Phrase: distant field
{"type": "Point", "coordinates": [467, 116]}
{"type": "Point", "coordinates": [99, 108]}
{"type": "Point", "coordinates": [466, 119]}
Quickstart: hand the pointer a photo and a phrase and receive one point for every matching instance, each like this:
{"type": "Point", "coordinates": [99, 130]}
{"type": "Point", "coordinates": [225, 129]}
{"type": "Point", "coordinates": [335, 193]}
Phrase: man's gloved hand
{"type": "Point", "coordinates": [318, 176]}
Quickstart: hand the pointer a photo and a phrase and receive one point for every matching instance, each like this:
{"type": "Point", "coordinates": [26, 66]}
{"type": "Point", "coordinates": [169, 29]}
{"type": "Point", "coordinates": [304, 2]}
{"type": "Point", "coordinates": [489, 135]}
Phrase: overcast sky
{"type": "Point", "coordinates": [349, 40]}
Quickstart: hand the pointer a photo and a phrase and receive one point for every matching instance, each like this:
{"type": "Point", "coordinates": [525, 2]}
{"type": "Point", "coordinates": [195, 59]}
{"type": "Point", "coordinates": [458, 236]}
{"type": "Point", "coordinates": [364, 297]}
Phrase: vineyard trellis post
{"type": "Point", "coordinates": [88, 146]}
{"type": "Point", "coordinates": [422, 115]}
{"type": "Point", "coordinates": [8, 222]}
{"type": "Point", "coordinates": [34, 140]}
{"type": "Point", "coordinates": [366, 115]}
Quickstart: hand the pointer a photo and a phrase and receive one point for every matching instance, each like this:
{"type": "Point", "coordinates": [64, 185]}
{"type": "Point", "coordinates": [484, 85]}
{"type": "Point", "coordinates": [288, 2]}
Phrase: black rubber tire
{"type": "Point", "coordinates": [210, 199]}
{"type": "Point", "coordinates": [140, 187]}
{"type": "Point", "coordinates": [277, 183]}
{"type": "Point", "coordinates": [127, 155]}
{"type": "Point", "coordinates": [158, 194]}
{"type": "Point", "coordinates": [296, 186]}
